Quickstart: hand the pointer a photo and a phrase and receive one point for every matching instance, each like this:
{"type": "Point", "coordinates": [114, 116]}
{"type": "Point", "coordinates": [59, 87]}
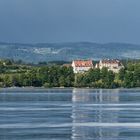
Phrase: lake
{"type": "Point", "coordinates": [70, 114]}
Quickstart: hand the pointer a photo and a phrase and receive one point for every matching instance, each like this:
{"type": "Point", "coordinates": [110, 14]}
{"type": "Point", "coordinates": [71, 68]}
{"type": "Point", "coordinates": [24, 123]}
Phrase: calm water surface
{"type": "Point", "coordinates": [70, 114]}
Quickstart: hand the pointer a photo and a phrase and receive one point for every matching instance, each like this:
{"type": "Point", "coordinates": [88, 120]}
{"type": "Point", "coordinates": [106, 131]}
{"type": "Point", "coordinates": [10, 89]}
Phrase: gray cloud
{"type": "Point", "coordinates": [69, 20]}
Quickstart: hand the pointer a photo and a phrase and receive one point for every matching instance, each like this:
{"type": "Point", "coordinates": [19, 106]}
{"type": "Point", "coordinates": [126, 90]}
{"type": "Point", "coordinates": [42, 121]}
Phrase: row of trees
{"type": "Point", "coordinates": [59, 76]}
{"type": "Point", "coordinates": [54, 76]}
{"type": "Point", "coordinates": [96, 78]}
{"type": "Point", "coordinates": [130, 76]}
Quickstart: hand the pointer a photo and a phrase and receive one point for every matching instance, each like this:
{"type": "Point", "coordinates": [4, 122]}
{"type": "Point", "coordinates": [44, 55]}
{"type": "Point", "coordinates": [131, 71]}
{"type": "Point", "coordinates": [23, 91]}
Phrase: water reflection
{"type": "Point", "coordinates": [76, 114]}
{"type": "Point", "coordinates": [89, 109]}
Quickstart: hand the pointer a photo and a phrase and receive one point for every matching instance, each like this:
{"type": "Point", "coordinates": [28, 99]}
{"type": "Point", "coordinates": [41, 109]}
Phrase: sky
{"type": "Point", "coordinates": [51, 21]}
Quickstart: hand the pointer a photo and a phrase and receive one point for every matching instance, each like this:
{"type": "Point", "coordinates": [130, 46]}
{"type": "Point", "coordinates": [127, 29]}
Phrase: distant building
{"type": "Point", "coordinates": [112, 64]}
{"type": "Point", "coordinates": [97, 66]}
{"type": "Point", "coordinates": [81, 66]}
{"type": "Point", "coordinates": [67, 65]}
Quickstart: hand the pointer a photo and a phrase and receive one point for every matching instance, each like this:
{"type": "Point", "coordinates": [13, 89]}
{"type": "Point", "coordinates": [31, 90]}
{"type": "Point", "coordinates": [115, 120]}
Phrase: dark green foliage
{"type": "Point", "coordinates": [130, 77]}
{"type": "Point", "coordinates": [22, 75]}
{"type": "Point", "coordinates": [128, 80]}
{"type": "Point", "coordinates": [96, 79]}
{"type": "Point", "coordinates": [122, 74]}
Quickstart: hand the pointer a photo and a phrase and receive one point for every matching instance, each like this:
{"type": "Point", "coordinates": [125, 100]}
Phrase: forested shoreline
{"type": "Point", "coordinates": [18, 74]}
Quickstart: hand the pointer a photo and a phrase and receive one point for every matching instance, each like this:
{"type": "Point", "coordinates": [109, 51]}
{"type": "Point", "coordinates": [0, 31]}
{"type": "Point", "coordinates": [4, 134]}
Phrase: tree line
{"type": "Point", "coordinates": [60, 76]}
{"type": "Point", "coordinates": [54, 76]}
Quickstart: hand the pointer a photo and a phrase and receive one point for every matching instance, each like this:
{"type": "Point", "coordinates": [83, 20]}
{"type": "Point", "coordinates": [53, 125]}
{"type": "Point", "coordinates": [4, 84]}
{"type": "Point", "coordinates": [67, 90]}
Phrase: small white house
{"type": "Point", "coordinates": [112, 64]}
{"type": "Point", "coordinates": [81, 66]}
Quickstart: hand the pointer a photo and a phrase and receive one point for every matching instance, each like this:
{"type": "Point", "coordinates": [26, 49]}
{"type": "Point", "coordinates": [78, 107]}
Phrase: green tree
{"type": "Point", "coordinates": [7, 81]}
{"type": "Point", "coordinates": [121, 74]}
{"type": "Point", "coordinates": [128, 80]}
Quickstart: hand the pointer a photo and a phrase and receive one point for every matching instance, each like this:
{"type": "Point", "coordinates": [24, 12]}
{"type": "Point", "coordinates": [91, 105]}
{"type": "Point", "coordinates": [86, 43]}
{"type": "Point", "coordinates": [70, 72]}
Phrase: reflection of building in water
{"type": "Point", "coordinates": [89, 107]}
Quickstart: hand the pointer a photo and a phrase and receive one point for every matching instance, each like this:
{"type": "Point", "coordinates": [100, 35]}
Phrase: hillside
{"type": "Point", "coordinates": [68, 51]}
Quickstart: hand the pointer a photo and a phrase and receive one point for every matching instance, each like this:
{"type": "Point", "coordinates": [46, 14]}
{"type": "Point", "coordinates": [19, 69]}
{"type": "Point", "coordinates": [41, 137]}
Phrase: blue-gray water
{"type": "Point", "coordinates": [70, 114]}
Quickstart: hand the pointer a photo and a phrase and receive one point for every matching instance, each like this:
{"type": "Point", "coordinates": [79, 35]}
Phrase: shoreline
{"type": "Point", "coordinates": [42, 89]}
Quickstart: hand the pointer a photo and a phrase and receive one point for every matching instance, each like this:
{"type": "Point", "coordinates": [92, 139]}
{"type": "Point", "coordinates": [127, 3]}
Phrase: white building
{"type": "Point", "coordinates": [113, 65]}
{"type": "Point", "coordinates": [80, 66]}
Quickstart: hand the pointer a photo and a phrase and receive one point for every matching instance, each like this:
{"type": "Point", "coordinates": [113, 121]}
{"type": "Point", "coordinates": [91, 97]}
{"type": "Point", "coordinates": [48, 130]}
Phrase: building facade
{"type": "Point", "coordinates": [81, 66]}
{"type": "Point", "coordinates": [112, 64]}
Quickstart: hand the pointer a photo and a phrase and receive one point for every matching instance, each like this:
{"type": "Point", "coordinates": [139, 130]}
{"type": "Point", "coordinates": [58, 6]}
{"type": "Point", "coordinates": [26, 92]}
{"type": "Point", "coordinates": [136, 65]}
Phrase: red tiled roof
{"type": "Point", "coordinates": [110, 61]}
{"type": "Point", "coordinates": [83, 63]}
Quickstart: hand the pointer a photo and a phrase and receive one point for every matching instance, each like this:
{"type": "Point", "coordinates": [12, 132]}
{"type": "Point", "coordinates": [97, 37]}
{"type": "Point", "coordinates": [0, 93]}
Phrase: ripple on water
{"type": "Point", "coordinates": [70, 114]}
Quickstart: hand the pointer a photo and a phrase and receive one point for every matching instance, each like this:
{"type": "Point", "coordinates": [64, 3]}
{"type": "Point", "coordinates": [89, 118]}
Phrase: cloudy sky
{"type": "Point", "coordinates": [32, 21]}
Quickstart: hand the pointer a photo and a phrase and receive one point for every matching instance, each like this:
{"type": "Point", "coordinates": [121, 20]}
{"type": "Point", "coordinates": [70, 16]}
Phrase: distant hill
{"type": "Point", "coordinates": [68, 51]}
